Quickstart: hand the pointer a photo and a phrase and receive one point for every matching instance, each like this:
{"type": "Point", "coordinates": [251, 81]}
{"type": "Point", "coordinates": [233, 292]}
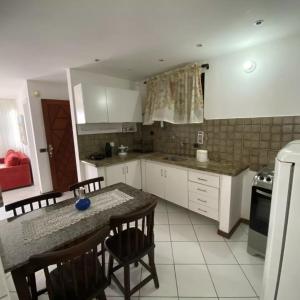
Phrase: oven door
{"type": "Point", "coordinates": [260, 209]}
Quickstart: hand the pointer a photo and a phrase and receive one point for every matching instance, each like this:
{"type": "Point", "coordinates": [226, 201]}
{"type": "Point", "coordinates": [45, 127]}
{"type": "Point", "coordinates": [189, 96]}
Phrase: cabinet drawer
{"type": "Point", "coordinates": [204, 210]}
{"type": "Point", "coordinates": [206, 201]}
{"type": "Point", "coordinates": [206, 179]}
{"type": "Point", "coordinates": [207, 192]}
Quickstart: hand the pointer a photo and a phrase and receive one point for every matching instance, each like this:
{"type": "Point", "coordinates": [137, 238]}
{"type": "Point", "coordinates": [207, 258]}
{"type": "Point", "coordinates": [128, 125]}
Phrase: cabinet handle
{"type": "Point", "coordinates": [202, 210]}
{"type": "Point", "coordinates": [127, 169]}
{"type": "Point", "coordinates": [123, 169]}
{"type": "Point", "coordinates": [202, 179]}
{"type": "Point", "coordinates": [204, 201]}
{"type": "Point", "coordinates": [201, 190]}
{"type": "Point", "coordinates": [161, 172]}
{"type": "Point", "coordinates": [165, 173]}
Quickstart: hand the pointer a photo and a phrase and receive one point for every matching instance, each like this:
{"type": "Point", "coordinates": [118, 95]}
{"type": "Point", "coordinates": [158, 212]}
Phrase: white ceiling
{"type": "Point", "coordinates": [38, 38]}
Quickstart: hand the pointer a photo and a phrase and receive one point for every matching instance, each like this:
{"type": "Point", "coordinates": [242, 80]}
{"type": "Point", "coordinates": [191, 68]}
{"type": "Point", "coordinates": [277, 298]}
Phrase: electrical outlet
{"type": "Point", "coordinates": [200, 137]}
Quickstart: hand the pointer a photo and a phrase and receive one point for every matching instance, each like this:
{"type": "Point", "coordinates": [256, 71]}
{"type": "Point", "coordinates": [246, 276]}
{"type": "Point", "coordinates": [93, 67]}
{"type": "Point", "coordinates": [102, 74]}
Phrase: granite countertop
{"type": "Point", "coordinates": [15, 251]}
{"type": "Point", "coordinates": [114, 160]}
{"type": "Point", "coordinates": [219, 167]}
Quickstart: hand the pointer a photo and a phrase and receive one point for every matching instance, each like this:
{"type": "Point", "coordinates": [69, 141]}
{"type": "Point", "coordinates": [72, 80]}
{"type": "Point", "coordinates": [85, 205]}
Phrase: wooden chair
{"type": "Point", "coordinates": [27, 205]}
{"type": "Point", "coordinates": [92, 185]}
{"type": "Point", "coordinates": [129, 244]}
{"type": "Point", "coordinates": [79, 275]}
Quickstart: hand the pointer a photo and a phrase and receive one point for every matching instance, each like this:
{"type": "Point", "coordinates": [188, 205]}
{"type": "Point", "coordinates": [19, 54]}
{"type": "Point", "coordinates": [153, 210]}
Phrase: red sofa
{"type": "Point", "coordinates": [15, 171]}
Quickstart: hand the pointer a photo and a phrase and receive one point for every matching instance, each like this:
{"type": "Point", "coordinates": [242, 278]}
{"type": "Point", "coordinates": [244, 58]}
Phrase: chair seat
{"type": "Point", "coordinates": [86, 287]}
{"type": "Point", "coordinates": [137, 241]}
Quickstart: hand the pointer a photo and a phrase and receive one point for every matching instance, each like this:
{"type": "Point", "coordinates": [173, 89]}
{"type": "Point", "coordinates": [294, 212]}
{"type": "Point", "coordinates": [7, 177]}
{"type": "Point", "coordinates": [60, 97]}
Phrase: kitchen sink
{"type": "Point", "coordinates": [174, 158]}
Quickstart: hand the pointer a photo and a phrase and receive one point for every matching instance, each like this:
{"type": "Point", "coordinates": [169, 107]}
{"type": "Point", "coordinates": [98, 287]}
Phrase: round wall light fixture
{"type": "Point", "coordinates": [249, 66]}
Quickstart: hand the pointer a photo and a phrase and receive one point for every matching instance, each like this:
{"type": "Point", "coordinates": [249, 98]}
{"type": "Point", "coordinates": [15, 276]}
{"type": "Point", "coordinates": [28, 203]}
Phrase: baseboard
{"type": "Point", "coordinates": [228, 235]}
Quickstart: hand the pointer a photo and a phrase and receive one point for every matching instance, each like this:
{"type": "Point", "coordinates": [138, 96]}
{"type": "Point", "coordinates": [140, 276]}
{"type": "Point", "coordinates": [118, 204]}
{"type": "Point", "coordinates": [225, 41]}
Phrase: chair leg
{"type": "Point", "coordinates": [110, 267]}
{"type": "Point", "coordinates": [126, 282]}
{"type": "Point", "coordinates": [153, 268]}
{"type": "Point", "coordinates": [101, 296]}
{"type": "Point", "coordinates": [33, 288]}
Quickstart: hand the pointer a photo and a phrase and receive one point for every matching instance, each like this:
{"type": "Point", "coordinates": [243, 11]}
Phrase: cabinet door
{"type": "Point", "coordinates": [123, 105]}
{"type": "Point", "coordinates": [155, 182]}
{"type": "Point", "coordinates": [115, 174]}
{"type": "Point", "coordinates": [90, 103]}
{"type": "Point", "coordinates": [176, 186]}
{"type": "Point", "coordinates": [133, 174]}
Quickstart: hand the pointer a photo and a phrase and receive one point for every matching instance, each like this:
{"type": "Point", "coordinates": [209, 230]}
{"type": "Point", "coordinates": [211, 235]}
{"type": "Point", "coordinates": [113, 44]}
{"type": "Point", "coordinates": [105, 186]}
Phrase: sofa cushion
{"type": "Point", "coordinates": [23, 158]}
{"type": "Point", "coordinates": [12, 159]}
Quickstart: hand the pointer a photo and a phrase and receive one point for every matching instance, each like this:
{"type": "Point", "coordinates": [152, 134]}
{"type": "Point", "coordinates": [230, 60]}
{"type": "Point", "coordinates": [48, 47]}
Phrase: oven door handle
{"type": "Point", "coordinates": [264, 193]}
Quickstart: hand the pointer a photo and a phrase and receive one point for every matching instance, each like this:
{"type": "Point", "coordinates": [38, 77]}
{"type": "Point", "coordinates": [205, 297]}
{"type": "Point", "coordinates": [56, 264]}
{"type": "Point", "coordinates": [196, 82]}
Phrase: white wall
{"type": "Point", "coordinates": [75, 77]}
{"type": "Point", "coordinates": [29, 149]}
{"type": "Point", "coordinates": [271, 90]}
{"type": "Point", "coordinates": [47, 90]}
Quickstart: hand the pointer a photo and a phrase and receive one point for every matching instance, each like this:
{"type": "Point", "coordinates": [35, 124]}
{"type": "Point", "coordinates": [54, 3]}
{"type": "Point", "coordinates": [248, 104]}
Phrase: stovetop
{"type": "Point", "coordinates": [264, 178]}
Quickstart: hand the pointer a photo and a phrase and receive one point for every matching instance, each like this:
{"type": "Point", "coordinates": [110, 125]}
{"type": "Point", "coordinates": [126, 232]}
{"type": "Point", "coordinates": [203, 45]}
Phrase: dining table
{"type": "Point", "coordinates": [57, 226]}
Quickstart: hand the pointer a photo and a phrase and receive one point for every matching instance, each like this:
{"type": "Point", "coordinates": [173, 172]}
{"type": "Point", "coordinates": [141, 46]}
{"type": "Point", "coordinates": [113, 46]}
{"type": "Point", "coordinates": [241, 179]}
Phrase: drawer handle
{"type": "Point", "coordinates": [201, 190]}
{"type": "Point", "coordinates": [202, 179]}
{"type": "Point", "coordinates": [202, 200]}
{"type": "Point", "coordinates": [202, 210]}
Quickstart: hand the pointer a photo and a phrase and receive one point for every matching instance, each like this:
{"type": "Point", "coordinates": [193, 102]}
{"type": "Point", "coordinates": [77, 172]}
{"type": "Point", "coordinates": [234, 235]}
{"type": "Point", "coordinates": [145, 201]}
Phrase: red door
{"type": "Point", "coordinates": [59, 135]}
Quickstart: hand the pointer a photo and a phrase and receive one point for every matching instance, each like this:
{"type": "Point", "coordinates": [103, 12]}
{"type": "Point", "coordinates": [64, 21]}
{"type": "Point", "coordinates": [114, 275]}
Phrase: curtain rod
{"type": "Point", "coordinates": [203, 66]}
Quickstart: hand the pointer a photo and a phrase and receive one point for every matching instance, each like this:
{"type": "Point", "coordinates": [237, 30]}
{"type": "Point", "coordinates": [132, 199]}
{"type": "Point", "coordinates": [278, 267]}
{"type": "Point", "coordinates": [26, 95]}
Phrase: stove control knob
{"type": "Point", "coordinates": [261, 177]}
{"type": "Point", "coordinates": [269, 179]}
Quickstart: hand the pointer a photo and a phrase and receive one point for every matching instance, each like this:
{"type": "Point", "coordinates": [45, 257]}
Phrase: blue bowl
{"type": "Point", "coordinates": [83, 204]}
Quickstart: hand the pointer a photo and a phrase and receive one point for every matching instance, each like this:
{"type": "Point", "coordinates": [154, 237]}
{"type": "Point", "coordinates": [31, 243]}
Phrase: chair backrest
{"type": "Point", "coordinates": [32, 203]}
{"type": "Point", "coordinates": [134, 231]}
{"type": "Point", "coordinates": [79, 271]}
{"type": "Point", "coordinates": [89, 185]}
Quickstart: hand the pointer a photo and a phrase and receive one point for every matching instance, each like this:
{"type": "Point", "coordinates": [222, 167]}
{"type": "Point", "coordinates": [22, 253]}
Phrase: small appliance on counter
{"type": "Point", "coordinates": [123, 150]}
{"type": "Point", "coordinates": [108, 150]}
{"type": "Point", "coordinates": [96, 156]}
{"type": "Point", "coordinates": [202, 155]}
{"type": "Point", "coordinates": [260, 211]}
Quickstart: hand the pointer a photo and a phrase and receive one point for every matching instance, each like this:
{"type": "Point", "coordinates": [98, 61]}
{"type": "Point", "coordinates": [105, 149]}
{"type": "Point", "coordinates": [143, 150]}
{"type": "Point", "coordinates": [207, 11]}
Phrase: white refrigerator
{"type": "Point", "coordinates": [281, 280]}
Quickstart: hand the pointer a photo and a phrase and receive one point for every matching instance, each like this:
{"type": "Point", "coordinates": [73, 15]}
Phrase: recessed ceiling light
{"type": "Point", "coordinates": [199, 45]}
{"type": "Point", "coordinates": [249, 66]}
{"type": "Point", "coordinates": [161, 60]}
{"type": "Point", "coordinates": [96, 60]}
{"type": "Point", "coordinates": [259, 22]}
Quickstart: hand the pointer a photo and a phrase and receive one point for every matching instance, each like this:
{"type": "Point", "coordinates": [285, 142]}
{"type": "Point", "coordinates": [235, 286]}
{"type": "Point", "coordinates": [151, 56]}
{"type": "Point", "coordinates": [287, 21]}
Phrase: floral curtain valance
{"type": "Point", "coordinates": [175, 97]}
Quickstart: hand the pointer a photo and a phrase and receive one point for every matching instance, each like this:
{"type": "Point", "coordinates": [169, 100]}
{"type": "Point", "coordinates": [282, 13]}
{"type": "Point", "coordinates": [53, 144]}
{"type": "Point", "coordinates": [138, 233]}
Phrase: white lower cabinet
{"type": "Point", "coordinates": [115, 174]}
{"type": "Point", "coordinates": [129, 173]}
{"type": "Point", "coordinates": [176, 186]}
{"type": "Point", "coordinates": [155, 182]}
{"type": "Point", "coordinates": [167, 182]}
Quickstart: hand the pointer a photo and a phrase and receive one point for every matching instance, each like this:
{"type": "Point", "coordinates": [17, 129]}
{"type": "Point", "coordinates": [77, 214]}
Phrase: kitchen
{"type": "Point", "coordinates": [202, 115]}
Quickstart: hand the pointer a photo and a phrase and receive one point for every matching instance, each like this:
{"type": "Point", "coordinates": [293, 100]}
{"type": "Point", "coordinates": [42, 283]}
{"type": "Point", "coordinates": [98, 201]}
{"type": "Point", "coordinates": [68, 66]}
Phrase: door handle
{"type": "Point", "coordinates": [50, 150]}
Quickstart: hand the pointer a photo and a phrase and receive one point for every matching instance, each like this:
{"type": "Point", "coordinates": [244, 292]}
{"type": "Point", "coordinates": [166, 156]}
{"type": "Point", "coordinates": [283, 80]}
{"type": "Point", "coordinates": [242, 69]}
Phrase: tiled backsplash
{"type": "Point", "coordinates": [91, 143]}
{"type": "Point", "coordinates": [253, 141]}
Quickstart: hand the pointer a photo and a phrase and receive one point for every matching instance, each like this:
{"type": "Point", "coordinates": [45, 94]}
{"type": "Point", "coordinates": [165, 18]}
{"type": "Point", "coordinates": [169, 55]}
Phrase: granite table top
{"type": "Point", "coordinates": [219, 167]}
{"type": "Point", "coordinates": [15, 251]}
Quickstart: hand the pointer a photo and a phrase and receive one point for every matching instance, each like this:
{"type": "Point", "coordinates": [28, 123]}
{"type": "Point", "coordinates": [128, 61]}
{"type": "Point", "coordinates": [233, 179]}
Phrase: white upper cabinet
{"type": "Point", "coordinates": [123, 105]}
{"type": "Point", "coordinates": [90, 103]}
{"type": "Point", "coordinates": [99, 104]}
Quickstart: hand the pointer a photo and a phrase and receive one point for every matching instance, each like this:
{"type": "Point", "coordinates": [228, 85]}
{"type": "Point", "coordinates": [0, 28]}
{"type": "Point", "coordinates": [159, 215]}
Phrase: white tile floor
{"type": "Point", "coordinates": [193, 261]}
